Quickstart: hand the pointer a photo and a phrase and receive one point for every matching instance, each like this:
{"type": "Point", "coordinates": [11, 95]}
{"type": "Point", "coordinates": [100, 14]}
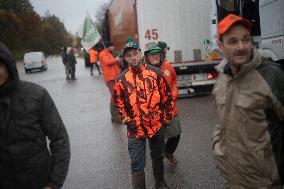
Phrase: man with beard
{"type": "Point", "coordinates": [249, 96]}
{"type": "Point", "coordinates": [145, 105]}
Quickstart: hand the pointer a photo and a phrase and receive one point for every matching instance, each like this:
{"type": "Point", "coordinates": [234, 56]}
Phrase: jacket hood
{"type": "Point", "coordinates": [221, 65]}
{"type": "Point", "coordinates": [224, 66]}
{"type": "Point", "coordinates": [7, 59]}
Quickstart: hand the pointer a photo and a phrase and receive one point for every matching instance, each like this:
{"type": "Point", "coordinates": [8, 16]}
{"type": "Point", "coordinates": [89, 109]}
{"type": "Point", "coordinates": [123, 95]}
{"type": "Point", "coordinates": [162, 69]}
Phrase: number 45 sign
{"type": "Point", "coordinates": [151, 34]}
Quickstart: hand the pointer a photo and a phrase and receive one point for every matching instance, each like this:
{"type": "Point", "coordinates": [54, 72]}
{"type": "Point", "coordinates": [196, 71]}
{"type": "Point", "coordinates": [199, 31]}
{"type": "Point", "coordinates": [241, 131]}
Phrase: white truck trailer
{"type": "Point", "coordinates": [184, 25]}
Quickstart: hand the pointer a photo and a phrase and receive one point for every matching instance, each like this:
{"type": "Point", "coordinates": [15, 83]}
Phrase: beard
{"type": "Point", "coordinates": [159, 65]}
{"type": "Point", "coordinates": [136, 64]}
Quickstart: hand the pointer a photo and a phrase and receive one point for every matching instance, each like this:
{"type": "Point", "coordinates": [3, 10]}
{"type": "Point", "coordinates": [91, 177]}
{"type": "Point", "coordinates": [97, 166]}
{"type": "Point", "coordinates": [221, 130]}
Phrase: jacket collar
{"type": "Point", "coordinates": [137, 70]}
{"type": "Point", "coordinates": [244, 69]}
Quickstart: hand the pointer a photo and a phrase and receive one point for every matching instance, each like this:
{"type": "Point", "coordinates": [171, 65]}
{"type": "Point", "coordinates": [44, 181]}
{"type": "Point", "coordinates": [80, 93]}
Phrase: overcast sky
{"type": "Point", "coordinates": [70, 12]}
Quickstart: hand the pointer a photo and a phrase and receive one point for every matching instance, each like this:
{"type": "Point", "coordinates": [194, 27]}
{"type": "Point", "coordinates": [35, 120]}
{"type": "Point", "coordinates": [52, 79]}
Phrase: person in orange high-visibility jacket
{"type": "Point", "coordinates": [145, 104]}
{"type": "Point", "coordinates": [109, 64]}
{"type": "Point", "coordinates": [156, 56]}
{"type": "Point", "coordinates": [111, 69]}
{"type": "Point", "coordinates": [93, 53]}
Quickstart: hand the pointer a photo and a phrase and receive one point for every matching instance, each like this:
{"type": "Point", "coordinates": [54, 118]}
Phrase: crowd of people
{"type": "Point", "coordinates": [248, 144]}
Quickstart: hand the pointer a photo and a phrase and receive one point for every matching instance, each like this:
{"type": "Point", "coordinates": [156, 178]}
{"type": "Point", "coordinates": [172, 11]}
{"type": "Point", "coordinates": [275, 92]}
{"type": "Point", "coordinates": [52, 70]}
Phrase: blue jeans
{"type": "Point", "coordinates": [137, 152]}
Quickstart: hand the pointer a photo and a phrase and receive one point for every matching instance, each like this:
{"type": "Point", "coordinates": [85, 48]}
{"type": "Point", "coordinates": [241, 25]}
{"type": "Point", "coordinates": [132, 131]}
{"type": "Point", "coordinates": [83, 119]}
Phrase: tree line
{"type": "Point", "coordinates": [23, 30]}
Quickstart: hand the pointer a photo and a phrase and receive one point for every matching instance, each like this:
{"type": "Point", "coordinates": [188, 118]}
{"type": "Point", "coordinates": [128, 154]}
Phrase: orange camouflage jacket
{"type": "Point", "coordinates": [143, 97]}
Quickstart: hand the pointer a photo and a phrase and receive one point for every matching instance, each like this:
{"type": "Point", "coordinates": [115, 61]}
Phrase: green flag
{"type": "Point", "coordinates": [89, 34]}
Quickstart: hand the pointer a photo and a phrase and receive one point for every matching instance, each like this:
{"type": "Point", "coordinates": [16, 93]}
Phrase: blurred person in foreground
{"type": "Point", "coordinates": [145, 105]}
{"type": "Point", "coordinates": [27, 117]}
{"type": "Point", "coordinates": [249, 96]}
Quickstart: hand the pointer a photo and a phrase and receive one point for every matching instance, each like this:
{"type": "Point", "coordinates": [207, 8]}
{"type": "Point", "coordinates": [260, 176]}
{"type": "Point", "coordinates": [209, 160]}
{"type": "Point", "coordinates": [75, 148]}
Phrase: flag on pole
{"type": "Point", "coordinates": [88, 33]}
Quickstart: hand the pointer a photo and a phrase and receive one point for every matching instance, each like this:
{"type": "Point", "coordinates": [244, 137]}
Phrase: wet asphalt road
{"type": "Point", "coordinates": [99, 148]}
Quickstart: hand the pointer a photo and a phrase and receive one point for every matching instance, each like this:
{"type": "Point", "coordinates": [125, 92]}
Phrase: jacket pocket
{"type": "Point", "coordinates": [28, 129]}
{"type": "Point", "coordinates": [35, 172]}
{"type": "Point", "coordinates": [268, 165]}
{"type": "Point", "coordinates": [220, 102]}
{"type": "Point", "coordinates": [250, 101]}
{"type": "Point", "coordinates": [250, 119]}
{"type": "Point", "coordinates": [220, 159]}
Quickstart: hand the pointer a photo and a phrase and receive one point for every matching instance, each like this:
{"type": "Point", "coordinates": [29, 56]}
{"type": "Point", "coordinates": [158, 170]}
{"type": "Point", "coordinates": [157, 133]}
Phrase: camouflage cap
{"type": "Point", "coordinates": [129, 44]}
{"type": "Point", "coordinates": [152, 48]}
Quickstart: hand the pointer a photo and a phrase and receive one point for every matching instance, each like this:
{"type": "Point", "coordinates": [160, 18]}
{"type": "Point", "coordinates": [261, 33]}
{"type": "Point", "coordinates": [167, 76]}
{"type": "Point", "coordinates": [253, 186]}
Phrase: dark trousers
{"type": "Point", "coordinates": [171, 144]}
{"type": "Point", "coordinates": [113, 109]}
{"type": "Point", "coordinates": [73, 69]}
{"type": "Point", "coordinates": [110, 86]}
{"type": "Point", "coordinates": [97, 66]}
{"type": "Point", "coordinates": [137, 152]}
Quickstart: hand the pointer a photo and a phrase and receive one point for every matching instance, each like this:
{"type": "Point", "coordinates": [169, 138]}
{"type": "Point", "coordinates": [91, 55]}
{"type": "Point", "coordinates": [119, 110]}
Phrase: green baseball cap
{"type": "Point", "coordinates": [152, 48]}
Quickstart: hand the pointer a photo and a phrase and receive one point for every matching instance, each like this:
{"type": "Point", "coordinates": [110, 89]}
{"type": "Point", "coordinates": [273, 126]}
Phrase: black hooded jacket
{"type": "Point", "coordinates": [27, 116]}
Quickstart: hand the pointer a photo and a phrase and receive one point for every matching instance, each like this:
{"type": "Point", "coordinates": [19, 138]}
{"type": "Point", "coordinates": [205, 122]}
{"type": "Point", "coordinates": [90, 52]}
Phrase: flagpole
{"type": "Point", "coordinates": [101, 40]}
{"type": "Point", "coordinates": [89, 34]}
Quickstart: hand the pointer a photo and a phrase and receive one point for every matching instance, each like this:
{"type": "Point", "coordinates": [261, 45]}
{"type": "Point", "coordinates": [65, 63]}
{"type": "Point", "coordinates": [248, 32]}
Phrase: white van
{"type": "Point", "coordinates": [34, 60]}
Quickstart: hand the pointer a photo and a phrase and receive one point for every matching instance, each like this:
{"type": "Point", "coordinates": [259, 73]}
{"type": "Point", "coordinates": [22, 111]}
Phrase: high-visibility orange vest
{"type": "Point", "coordinates": [93, 56]}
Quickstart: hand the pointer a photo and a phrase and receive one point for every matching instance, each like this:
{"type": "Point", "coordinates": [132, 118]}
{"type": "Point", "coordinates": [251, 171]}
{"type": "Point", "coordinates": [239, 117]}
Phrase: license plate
{"type": "Point", "coordinates": [183, 91]}
{"type": "Point", "coordinates": [199, 77]}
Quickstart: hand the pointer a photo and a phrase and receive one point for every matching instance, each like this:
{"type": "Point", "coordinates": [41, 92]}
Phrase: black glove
{"type": "Point", "coordinates": [131, 128]}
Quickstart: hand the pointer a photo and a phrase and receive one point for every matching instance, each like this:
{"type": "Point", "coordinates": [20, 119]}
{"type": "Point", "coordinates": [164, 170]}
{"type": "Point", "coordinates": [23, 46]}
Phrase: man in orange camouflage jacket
{"type": "Point", "coordinates": [145, 104]}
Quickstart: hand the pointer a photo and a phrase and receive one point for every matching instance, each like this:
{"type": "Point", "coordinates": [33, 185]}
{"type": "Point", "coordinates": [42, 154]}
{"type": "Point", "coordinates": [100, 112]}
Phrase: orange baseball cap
{"type": "Point", "coordinates": [230, 20]}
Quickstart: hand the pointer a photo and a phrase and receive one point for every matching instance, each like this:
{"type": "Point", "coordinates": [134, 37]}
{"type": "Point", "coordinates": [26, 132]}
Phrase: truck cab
{"type": "Point", "coordinates": [268, 24]}
{"type": "Point", "coordinates": [272, 29]}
